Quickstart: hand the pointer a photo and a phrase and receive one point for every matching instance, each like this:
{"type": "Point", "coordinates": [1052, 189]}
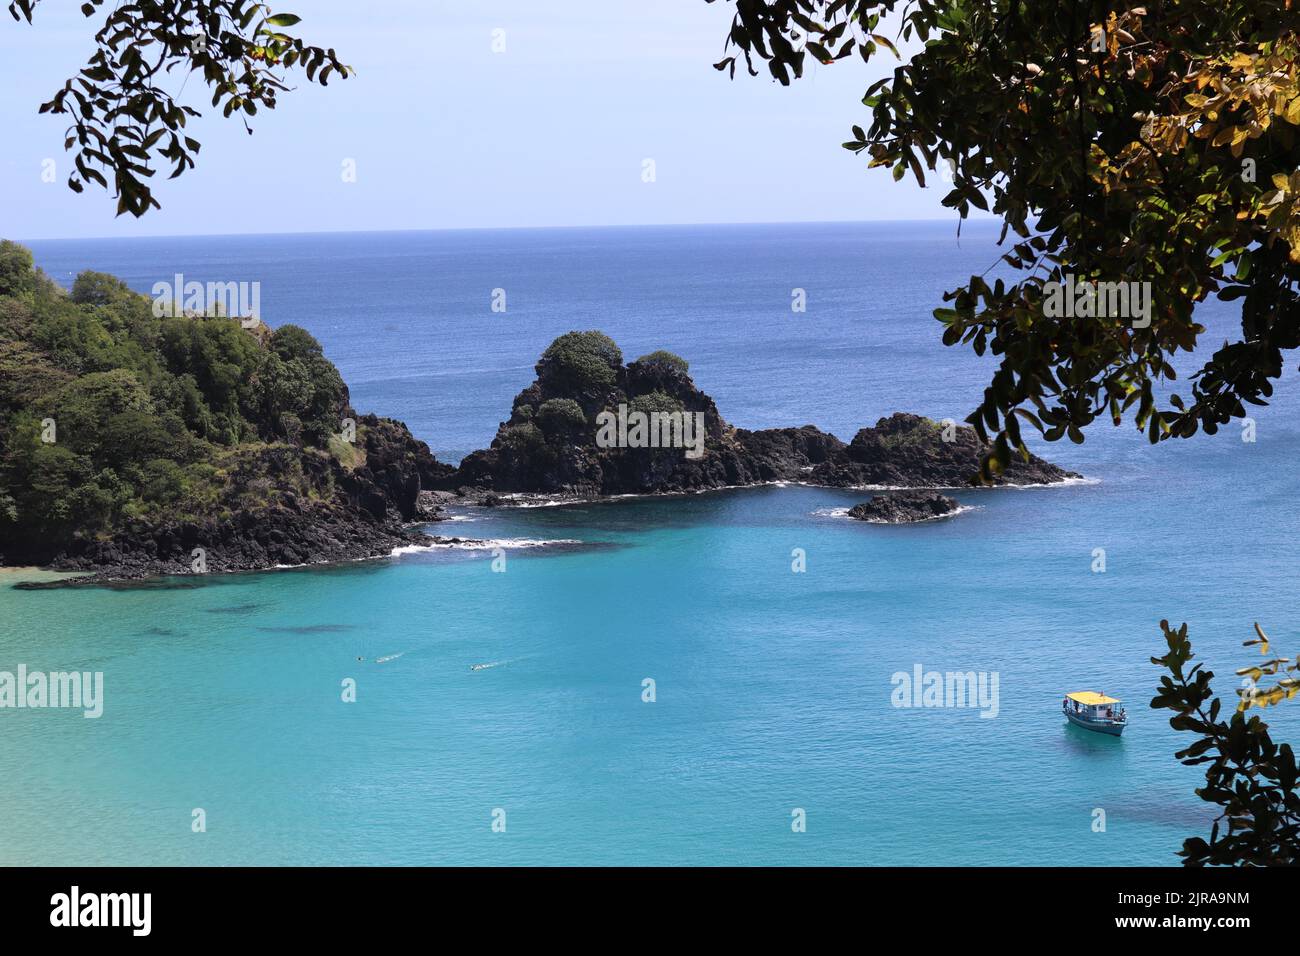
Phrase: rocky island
{"type": "Point", "coordinates": [134, 444]}
{"type": "Point", "coordinates": [905, 507]}
{"type": "Point", "coordinates": [551, 444]}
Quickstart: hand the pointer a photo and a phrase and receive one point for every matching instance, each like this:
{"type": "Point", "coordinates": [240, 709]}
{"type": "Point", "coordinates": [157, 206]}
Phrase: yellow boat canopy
{"type": "Point", "coordinates": [1090, 698]}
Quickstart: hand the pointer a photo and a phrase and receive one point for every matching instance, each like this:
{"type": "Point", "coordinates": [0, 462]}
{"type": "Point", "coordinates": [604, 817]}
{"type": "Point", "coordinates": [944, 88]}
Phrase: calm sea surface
{"type": "Point", "coordinates": [773, 688]}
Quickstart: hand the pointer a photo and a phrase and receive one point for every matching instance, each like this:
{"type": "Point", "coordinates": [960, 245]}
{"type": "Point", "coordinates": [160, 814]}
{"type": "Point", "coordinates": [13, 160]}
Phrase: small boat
{"type": "Point", "coordinates": [1093, 711]}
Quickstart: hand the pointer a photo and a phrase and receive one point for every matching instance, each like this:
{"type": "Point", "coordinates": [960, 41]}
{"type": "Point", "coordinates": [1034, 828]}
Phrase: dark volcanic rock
{"type": "Point", "coordinates": [901, 507]}
{"type": "Point", "coordinates": [549, 445]}
{"type": "Point", "coordinates": [909, 451]}
{"type": "Point", "coordinates": [348, 513]}
{"type": "Point", "coordinates": [184, 441]}
{"type": "Point", "coordinates": [284, 502]}
{"type": "Point", "coordinates": [538, 452]}
{"type": "Point", "coordinates": [397, 467]}
{"type": "Point", "coordinates": [246, 541]}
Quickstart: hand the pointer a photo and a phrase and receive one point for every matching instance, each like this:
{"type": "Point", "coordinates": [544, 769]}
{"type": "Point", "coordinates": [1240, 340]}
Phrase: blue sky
{"type": "Point", "coordinates": [446, 133]}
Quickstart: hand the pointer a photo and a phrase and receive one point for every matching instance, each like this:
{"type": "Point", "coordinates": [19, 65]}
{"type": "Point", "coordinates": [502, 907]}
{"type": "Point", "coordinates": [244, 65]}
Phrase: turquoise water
{"type": "Point", "coordinates": [773, 688]}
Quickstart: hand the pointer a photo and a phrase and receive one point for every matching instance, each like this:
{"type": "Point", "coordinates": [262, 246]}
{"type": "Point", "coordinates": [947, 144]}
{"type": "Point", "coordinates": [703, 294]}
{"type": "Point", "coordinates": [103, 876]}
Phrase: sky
{"type": "Point", "coordinates": [445, 133]}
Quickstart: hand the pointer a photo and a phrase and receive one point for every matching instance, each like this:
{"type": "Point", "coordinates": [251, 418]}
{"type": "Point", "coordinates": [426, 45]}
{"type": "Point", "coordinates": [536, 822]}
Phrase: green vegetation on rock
{"type": "Point", "coordinates": [108, 413]}
{"type": "Point", "coordinates": [559, 416]}
{"type": "Point", "coordinates": [654, 402]}
{"type": "Point", "coordinates": [664, 357]}
{"type": "Point", "coordinates": [583, 361]}
{"type": "Point", "coordinates": [920, 433]}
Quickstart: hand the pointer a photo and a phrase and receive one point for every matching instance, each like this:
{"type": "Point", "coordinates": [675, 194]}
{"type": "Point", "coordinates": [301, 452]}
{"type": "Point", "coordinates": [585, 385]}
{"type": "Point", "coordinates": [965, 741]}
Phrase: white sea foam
{"type": "Point", "coordinates": [1081, 480]}
{"type": "Point", "coordinates": [490, 664]}
{"type": "Point", "coordinates": [531, 500]}
{"type": "Point", "coordinates": [961, 509]}
{"type": "Point", "coordinates": [541, 501]}
{"type": "Point", "coordinates": [1063, 483]}
{"type": "Point", "coordinates": [482, 545]}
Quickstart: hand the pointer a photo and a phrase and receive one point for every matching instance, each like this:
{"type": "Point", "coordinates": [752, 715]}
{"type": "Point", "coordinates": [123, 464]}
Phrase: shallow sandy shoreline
{"type": "Point", "coordinates": [20, 572]}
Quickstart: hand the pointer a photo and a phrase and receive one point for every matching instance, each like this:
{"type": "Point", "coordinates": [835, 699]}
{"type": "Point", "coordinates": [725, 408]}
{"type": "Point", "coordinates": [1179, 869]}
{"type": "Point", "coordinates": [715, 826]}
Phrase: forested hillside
{"type": "Point", "coordinates": [116, 421]}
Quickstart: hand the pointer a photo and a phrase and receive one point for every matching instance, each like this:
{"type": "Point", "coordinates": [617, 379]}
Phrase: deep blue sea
{"type": "Point", "coordinates": [772, 688]}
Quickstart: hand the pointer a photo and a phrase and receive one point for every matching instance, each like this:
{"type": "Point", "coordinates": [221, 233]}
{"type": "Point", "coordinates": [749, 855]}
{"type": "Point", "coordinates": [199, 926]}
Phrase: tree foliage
{"type": "Point", "coordinates": [124, 122]}
{"type": "Point", "coordinates": [583, 361]}
{"type": "Point", "coordinates": [664, 357]}
{"type": "Point", "coordinates": [16, 264]}
{"type": "Point", "coordinates": [652, 402]}
{"type": "Point", "coordinates": [108, 412]}
{"type": "Point", "coordinates": [1251, 779]}
{"type": "Point", "coordinates": [561, 416]}
{"type": "Point", "coordinates": [1151, 143]}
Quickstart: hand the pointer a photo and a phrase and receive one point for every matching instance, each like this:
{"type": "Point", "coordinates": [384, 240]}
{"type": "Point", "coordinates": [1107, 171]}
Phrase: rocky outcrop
{"type": "Point", "coordinates": [314, 509]}
{"type": "Point", "coordinates": [903, 507]}
{"type": "Point", "coordinates": [574, 431]}
{"type": "Point", "coordinates": [551, 443]}
{"type": "Point", "coordinates": [395, 467]}
{"type": "Point", "coordinates": [146, 437]}
{"type": "Point", "coordinates": [909, 451]}
{"type": "Point", "coordinates": [292, 534]}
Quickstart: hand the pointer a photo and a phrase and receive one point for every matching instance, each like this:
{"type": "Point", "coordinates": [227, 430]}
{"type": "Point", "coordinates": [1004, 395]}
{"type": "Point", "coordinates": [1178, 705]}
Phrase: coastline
{"type": "Point", "coordinates": [46, 578]}
{"type": "Point", "coordinates": [525, 499]}
{"type": "Point", "coordinates": [297, 477]}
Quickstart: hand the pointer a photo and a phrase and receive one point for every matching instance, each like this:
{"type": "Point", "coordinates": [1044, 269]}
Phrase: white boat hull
{"type": "Point", "coordinates": [1112, 727]}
